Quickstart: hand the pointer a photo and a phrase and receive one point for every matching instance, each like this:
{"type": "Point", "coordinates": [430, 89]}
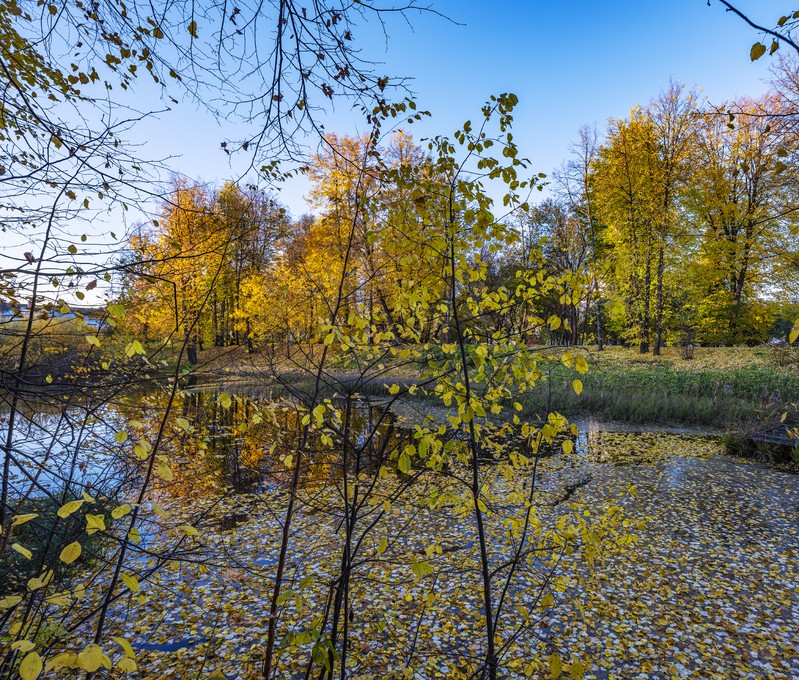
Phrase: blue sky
{"type": "Point", "coordinates": [570, 63]}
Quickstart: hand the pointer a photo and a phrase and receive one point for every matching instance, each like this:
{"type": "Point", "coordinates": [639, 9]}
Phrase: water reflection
{"type": "Point", "coordinates": [247, 444]}
{"type": "Point", "coordinates": [66, 450]}
{"type": "Point", "coordinates": [213, 444]}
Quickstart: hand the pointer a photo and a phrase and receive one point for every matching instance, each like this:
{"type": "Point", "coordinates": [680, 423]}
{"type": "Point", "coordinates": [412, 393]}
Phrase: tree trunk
{"type": "Point", "coordinates": [659, 303]}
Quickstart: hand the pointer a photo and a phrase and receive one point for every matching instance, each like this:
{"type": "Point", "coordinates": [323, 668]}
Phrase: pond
{"type": "Point", "coordinates": [698, 575]}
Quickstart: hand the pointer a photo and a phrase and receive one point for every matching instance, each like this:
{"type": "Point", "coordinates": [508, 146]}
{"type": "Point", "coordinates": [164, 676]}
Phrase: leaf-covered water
{"type": "Point", "coordinates": [707, 589]}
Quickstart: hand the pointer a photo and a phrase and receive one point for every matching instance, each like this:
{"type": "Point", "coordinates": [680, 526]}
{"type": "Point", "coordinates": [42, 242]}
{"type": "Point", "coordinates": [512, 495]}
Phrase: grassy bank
{"type": "Point", "coordinates": [722, 387]}
{"type": "Point", "coordinates": [726, 388]}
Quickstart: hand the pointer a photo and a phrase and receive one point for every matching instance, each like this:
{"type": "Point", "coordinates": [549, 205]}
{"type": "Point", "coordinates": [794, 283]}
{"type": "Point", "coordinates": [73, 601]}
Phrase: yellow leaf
{"type": "Point", "coordinates": [555, 666]}
{"type": "Point", "coordinates": [158, 510]}
{"type": "Point", "coordinates": [126, 647]}
{"type": "Point", "coordinates": [70, 553]}
{"type": "Point", "coordinates": [16, 520]}
{"type": "Point", "coordinates": [30, 667]}
{"type": "Point", "coordinates": [94, 523]}
{"type": "Point", "coordinates": [91, 658]}
{"type": "Point", "coordinates": [40, 581]}
{"type": "Point", "coordinates": [189, 530]}
{"type": "Point", "coordinates": [22, 646]}
{"type": "Point", "coordinates": [121, 511]}
{"type": "Point", "coordinates": [581, 365]}
{"type": "Point", "coordinates": [131, 582]}
{"type": "Point", "coordinates": [68, 508]}
{"type": "Point", "coordinates": [382, 547]}
{"type": "Point", "coordinates": [10, 601]}
{"type": "Point", "coordinates": [578, 386]}
{"type": "Point", "coordinates": [62, 660]}
{"type": "Point", "coordinates": [794, 332]}
{"type": "Point", "coordinates": [22, 550]}
{"type": "Point", "coordinates": [577, 670]}
{"type": "Point", "coordinates": [757, 51]}
{"type": "Point", "coordinates": [126, 665]}
{"type": "Point", "coordinates": [59, 599]}
{"type": "Point", "coordinates": [164, 472]}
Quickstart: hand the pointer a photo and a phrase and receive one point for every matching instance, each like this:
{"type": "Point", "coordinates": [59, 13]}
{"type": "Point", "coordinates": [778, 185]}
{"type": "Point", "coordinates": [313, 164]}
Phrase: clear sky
{"type": "Point", "coordinates": [570, 62]}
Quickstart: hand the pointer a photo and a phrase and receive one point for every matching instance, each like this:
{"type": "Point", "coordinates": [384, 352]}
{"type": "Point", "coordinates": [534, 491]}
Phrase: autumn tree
{"type": "Point", "coordinates": [673, 116]}
{"type": "Point", "coordinates": [627, 178]}
{"type": "Point", "coordinates": [742, 198]}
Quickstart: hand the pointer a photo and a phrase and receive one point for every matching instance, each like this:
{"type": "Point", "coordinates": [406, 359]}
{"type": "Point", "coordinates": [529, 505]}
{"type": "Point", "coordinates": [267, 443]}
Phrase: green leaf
{"type": "Point", "coordinates": [404, 463]}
